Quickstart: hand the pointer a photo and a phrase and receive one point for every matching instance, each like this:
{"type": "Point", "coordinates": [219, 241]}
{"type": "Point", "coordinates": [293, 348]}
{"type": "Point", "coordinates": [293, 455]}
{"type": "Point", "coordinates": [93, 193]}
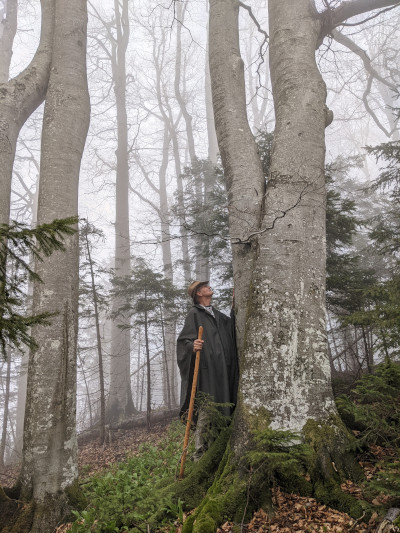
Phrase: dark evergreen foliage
{"type": "Point", "coordinates": [17, 242]}
{"type": "Point", "coordinates": [381, 310]}
{"type": "Point", "coordinates": [373, 406]}
{"type": "Point", "coordinates": [147, 292]}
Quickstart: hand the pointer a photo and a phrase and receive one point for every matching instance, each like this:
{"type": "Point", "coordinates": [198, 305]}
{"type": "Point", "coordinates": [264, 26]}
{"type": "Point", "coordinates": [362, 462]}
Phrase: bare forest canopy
{"type": "Point", "coordinates": [147, 144]}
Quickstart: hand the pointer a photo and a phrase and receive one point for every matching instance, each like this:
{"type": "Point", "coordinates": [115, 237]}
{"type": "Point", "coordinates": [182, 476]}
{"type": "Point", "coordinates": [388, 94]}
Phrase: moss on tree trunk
{"type": "Point", "coordinates": [315, 468]}
{"type": "Point", "coordinates": [18, 516]}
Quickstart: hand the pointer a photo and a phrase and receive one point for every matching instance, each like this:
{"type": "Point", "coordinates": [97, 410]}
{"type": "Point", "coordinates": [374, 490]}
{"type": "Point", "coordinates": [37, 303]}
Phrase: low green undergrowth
{"type": "Point", "coordinates": [372, 411]}
{"type": "Point", "coordinates": [373, 406]}
{"type": "Point", "coordinates": [115, 496]}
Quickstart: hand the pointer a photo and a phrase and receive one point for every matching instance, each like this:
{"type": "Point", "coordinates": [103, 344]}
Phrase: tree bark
{"type": "Point", "coordinates": [8, 29]}
{"type": "Point", "coordinates": [286, 332]}
{"type": "Point", "coordinates": [18, 99]}
{"type": "Point", "coordinates": [242, 165]}
{"type": "Point", "coordinates": [50, 449]}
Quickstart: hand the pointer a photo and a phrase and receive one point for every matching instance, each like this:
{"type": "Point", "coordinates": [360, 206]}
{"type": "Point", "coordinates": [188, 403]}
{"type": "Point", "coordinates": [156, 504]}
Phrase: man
{"type": "Point", "coordinates": [218, 373]}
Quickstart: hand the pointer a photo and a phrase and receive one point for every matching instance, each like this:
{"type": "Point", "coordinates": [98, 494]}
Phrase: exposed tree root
{"type": "Point", "coordinates": [315, 468]}
{"type": "Point", "coordinates": [193, 488]}
{"type": "Point", "coordinates": [18, 516]}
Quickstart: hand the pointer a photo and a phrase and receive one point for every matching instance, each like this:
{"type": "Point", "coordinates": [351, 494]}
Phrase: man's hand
{"type": "Point", "coordinates": [197, 345]}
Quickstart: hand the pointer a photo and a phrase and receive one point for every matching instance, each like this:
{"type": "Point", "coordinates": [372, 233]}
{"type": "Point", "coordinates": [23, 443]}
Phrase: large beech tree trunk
{"type": "Point", "coordinates": [286, 368]}
{"type": "Point", "coordinates": [278, 234]}
{"type": "Point", "coordinates": [277, 231]}
{"type": "Point", "coordinates": [50, 448]}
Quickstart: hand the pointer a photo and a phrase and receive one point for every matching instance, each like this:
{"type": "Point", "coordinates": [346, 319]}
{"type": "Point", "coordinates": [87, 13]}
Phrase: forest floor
{"type": "Point", "coordinates": [293, 513]}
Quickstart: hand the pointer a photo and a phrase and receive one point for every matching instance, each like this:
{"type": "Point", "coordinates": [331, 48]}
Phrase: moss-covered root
{"type": "Point", "coordinates": [231, 503]}
{"type": "Point", "coordinates": [34, 517]}
{"type": "Point", "coordinates": [234, 495]}
{"type": "Point", "coordinates": [19, 522]}
{"type": "Point", "coordinates": [37, 517]}
{"type": "Point", "coordinates": [11, 512]}
{"type": "Point", "coordinates": [332, 462]}
{"type": "Point", "coordinates": [192, 489]}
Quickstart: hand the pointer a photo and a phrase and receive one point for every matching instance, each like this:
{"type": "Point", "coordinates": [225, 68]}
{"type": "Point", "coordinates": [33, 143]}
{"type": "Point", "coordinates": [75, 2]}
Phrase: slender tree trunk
{"type": "Point", "coordinates": [369, 359]}
{"type": "Point", "coordinates": [142, 391]}
{"type": "Point", "coordinates": [120, 402]}
{"type": "Point", "coordinates": [18, 99]}
{"type": "Point", "coordinates": [211, 133]}
{"type": "Point", "coordinates": [170, 334]}
{"type": "Point", "coordinates": [243, 171]}
{"type": "Point", "coordinates": [50, 448]}
{"type": "Point", "coordinates": [148, 403]}
{"type": "Point", "coordinates": [21, 399]}
{"type": "Point", "coordinates": [165, 223]}
{"type": "Point", "coordinates": [98, 338]}
{"type": "Point", "coordinates": [201, 262]}
{"type": "Point", "coordinates": [166, 385]}
{"type": "Point", "coordinates": [88, 402]}
{"type": "Point", "coordinates": [138, 373]}
{"type": "Point", "coordinates": [5, 411]}
{"type": "Point", "coordinates": [8, 29]}
{"type": "Point", "coordinates": [23, 368]}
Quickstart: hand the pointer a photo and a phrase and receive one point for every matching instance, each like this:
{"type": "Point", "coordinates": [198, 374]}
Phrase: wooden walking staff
{"type": "Point", "coordinates": [191, 407]}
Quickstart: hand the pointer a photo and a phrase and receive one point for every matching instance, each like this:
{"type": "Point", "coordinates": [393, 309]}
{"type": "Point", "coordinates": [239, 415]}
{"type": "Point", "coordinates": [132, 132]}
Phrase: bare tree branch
{"type": "Point", "coordinates": [370, 110]}
{"type": "Point", "coordinates": [334, 17]}
{"type": "Point", "coordinates": [266, 37]}
{"type": "Point", "coordinates": [253, 18]}
{"type": "Point", "coordinates": [351, 45]}
{"type": "Point", "coordinates": [375, 15]}
{"type": "Point", "coordinates": [144, 199]}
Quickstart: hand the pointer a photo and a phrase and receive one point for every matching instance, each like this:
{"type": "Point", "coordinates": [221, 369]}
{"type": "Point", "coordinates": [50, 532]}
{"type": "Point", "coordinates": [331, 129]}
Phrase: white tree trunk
{"type": "Point", "coordinates": [50, 448]}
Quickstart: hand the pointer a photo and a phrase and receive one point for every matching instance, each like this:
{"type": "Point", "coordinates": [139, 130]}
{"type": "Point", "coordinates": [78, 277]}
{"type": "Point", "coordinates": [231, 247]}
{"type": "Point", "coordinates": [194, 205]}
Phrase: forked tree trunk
{"type": "Point", "coordinates": [50, 448]}
{"type": "Point", "coordinates": [287, 368]}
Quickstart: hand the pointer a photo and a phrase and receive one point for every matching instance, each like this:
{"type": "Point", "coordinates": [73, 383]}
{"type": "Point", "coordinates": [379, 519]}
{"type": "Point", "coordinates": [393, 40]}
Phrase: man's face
{"type": "Point", "coordinates": [205, 290]}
